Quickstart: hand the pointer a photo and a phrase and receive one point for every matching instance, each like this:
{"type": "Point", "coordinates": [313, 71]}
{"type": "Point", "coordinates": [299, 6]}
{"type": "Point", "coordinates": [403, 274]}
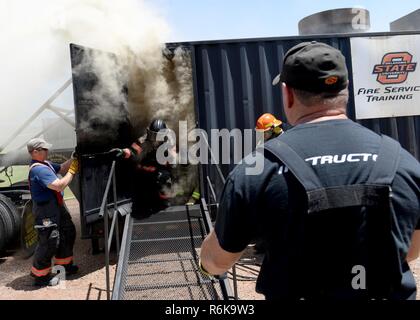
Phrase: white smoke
{"type": "Point", "coordinates": [163, 90]}
{"type": "Point", "coordinates": [36, 35]}
{"type": "Point", "coordinates": [35, 39]}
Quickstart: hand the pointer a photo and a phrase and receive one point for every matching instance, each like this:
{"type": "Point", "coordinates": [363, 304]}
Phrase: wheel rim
{"type": "Point", "coordinates": [29, 235]}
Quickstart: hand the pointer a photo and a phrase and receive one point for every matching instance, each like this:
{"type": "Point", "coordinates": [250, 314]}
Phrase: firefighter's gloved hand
{"type": "Point", "coordinates": [74, 167]}
{"type": "Point", "coordinates": [127, 153]}
{"type": "Point", "coordinates": [117, 153]}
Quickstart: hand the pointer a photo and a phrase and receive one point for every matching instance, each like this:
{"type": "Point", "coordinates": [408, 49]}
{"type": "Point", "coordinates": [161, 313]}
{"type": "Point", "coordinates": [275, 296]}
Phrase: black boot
{"type": "Point", "coordinates": [48, 280]}
{"type": "Point", "coordinates": [71, 269]}
{"type": "Point", "coordinates": [260, 247]}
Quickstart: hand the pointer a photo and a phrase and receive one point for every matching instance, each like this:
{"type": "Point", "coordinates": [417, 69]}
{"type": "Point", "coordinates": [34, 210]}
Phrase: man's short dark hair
{"type": "Point", "coordinates": [337, 99]}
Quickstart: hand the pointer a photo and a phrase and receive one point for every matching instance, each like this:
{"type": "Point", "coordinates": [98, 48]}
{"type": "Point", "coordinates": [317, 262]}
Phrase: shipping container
{"type": "Point", "coordinates": [233, 87]}
{"type": "Point", "coordinates": [232, 83]}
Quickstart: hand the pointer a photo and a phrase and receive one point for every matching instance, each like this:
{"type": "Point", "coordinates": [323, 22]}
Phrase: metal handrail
{"type": "Point", "coordinates": [116, 292]}
{"type": "Point", "coordinates": [216, 203]}
{"type": "Point", "coordinates": [213, 158]}
{"type": "Point", "coordinates": [224, 283]}
{"type": "Point", "coordinates": [108, 233]}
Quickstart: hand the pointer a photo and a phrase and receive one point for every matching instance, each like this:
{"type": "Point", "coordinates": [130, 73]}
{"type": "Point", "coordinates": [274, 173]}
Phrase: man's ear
{"type": "Point", "coordinates": [288, 98]}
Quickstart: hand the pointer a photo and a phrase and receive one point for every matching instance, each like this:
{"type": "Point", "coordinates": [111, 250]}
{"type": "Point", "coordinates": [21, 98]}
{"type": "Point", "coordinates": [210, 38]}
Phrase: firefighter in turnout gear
{"type": "Point", "coordinates": [153, 179]}
{"type": "Point", "coordinates": [56, 230]}
{"type": "Point", "coordinates": [271, 128]}
{"type": "Point", "coordinates": [269, 125]}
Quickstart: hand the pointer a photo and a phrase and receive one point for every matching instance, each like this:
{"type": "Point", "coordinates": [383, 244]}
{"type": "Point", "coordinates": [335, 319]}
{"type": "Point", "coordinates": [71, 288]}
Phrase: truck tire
{"type": "Point", "coordinates": [14, 214]}
{"type": "Point", "coordinates": [2, 236]}
{"type": "Point", "coordinates": [8, 223]}
{"type": "Point", "coordinates": [28, 234]}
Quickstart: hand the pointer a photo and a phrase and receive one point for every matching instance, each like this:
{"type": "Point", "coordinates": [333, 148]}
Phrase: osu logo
{"type": "Point", "coordinates": [394, 68]}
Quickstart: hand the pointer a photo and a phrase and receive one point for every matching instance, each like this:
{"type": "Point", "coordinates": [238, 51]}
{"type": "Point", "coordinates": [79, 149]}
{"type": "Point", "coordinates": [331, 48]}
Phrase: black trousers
{"type": "Point", "coordinates": [148, 192]}
{"type": "Point", "coordinates": [56, 237]}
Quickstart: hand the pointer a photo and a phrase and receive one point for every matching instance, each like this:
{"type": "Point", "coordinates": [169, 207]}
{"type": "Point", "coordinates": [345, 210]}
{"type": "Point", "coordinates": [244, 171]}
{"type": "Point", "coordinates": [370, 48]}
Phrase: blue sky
{"type": "Point", "coordinates": [193, 20]}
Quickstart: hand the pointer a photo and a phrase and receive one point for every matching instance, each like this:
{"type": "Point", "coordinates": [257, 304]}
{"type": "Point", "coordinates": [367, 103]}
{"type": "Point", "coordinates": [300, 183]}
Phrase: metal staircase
{"type": "Point", "coordinates": [159, 258]}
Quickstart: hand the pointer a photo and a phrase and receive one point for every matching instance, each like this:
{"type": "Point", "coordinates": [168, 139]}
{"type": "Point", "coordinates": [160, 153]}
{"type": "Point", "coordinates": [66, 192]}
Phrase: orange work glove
{"type": "Point", "coordinates": [74, 167]}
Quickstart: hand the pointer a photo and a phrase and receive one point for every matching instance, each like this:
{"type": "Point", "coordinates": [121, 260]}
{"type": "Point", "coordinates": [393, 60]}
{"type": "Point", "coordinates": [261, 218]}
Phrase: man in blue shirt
{"type": "Point", "coordinates": [56, 230]}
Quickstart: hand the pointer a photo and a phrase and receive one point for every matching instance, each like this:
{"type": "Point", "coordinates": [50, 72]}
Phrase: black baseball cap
{"type": "Point", "coordinates": [314, 67]}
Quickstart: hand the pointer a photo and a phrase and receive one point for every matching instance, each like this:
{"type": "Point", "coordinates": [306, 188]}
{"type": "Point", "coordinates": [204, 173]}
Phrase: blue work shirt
{"type": "Point", "coordinates": [39, 178]}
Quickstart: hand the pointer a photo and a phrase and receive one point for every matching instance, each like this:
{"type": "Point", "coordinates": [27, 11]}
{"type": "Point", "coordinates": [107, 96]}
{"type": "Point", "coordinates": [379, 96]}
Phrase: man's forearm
{"type": "Point", "coordinates": [414, 250]}
{"type": "Point", "coordinates": [214, 259]}
{"type": "Point", "coordinates": [209, 262]}
{"type": "Point", "coordinates": [65, 167]}
{"type": "Point", "coordinates": [60, 184]}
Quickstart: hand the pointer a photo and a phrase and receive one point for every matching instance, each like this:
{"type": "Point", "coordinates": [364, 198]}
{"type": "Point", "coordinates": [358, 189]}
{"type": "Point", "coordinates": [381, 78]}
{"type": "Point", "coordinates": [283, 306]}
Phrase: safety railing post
{"type": "Point", "coordinates": [117, 230]}
{"type": "Point", "coordinates": [105, 215]}
{"type": "Point", "coordinates": [211, 192]}
{"type": "Point", "coordinates": [235, 282]}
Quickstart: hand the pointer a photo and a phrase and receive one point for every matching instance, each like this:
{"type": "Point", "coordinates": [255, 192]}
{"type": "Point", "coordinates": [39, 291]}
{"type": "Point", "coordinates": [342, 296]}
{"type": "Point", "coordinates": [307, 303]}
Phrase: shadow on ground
{"type": "Point", "coordinates": [88, 265]}
{"type": "Point", "coordinates": [24, 283]}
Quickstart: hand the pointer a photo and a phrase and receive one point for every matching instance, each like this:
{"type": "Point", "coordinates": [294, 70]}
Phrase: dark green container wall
{"type": "Point", "coordinates": [233, 87]}
{"type": "Point", "coordinates": [233, 80]}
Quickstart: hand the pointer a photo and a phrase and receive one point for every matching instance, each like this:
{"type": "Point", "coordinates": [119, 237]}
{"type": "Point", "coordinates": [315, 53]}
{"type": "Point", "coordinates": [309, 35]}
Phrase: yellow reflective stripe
{"type": "Point", "coordinates": [40, 273]}
{"type": "Point", "coordinates": [62, 261]}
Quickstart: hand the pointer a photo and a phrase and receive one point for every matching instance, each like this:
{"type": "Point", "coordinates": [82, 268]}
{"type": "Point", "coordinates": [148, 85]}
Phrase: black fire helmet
{"type": "Point", "coordinates": [155, 126]}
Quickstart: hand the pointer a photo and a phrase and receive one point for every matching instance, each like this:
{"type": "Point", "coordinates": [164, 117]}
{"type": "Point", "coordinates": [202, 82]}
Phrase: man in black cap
{"type": "Point", "coordinates": [337, 204]}
{"type": "Point", "coordinates": [56, 230]}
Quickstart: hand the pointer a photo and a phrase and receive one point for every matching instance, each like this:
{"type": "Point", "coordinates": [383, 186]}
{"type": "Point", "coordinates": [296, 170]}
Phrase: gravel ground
{"type": "Point", "coordinates": [246, 288]}
{"type": "Point", "coordinates": [415, 266]}
{"type": "Point", "coordinates": [89, 284]}
{"type": "Point", "coordinates": [247, 270]}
